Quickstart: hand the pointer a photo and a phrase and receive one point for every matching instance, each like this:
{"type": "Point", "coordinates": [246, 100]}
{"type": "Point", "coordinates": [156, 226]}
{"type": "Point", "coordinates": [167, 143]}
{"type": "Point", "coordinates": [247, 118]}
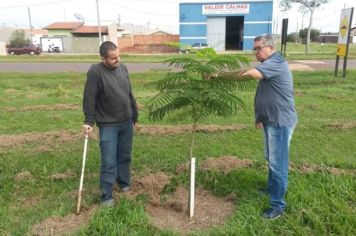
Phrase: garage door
{"type": "Point", "coordinates": [216, 32]}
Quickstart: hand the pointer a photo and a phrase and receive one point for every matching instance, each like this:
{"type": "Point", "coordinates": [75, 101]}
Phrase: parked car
{"type": "Point", "coordinates": [195, 47]}
{"type": "Point", "coordinates": [27, 49]}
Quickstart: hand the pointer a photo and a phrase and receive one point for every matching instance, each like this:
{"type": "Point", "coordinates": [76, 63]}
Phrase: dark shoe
{"type": "Point", "coordinates": [272, 213]}
{"type": "Point", "coordinates": [125, 189]}
{"type": "Point", "coordinates": [107, 203]}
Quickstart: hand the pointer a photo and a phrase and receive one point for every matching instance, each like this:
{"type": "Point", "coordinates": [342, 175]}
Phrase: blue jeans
{"type": "Point", "coordinates": [115, 148]}
{"type": "Point", "coordinates": [277, 140]}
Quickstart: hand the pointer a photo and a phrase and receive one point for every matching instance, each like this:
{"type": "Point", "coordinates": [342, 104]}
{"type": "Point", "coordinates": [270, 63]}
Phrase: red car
{"type": "Point", "coordinates": [27, 49]}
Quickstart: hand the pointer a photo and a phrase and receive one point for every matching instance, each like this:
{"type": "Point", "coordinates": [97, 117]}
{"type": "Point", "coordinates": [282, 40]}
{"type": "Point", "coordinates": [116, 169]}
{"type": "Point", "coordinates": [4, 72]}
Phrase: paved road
{"type": "Point", "coordinates": [31, 67]}
{"type": "Point", "coordinates": [45, 67]}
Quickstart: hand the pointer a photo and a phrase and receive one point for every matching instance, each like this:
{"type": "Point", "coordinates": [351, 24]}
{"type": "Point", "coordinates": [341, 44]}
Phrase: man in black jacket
{"type": "Point", "coordinates": [108, 101]}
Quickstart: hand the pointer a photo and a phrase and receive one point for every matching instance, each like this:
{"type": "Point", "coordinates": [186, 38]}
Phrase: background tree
{"type": "Point", "coordinates": [305, 6]}
{"type": "Point", "coordinates": [18, 38]}
{"type": "Point", "coordinates": [314, 34]}
{"type": "Point", "coordinates": [293, 37]}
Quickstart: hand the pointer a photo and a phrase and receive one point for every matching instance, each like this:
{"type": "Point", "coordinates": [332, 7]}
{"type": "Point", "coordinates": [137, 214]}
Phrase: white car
{"type": "Point", "coordinates": [195, 47]}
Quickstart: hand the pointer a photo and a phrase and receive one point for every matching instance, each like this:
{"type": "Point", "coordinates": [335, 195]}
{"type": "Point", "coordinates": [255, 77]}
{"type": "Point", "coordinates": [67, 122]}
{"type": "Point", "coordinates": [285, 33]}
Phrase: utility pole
{"type": "Point", "coordinates": [296, 33]}
{"type": "Point", "coordinates": [119, 20]}
{"type": "Point", "coordinates": [29, 19]}
{"type": "Point", "coordinates": [99, 27]}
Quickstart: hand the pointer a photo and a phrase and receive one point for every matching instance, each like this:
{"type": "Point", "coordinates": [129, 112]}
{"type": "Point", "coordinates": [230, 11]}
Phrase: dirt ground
{"type": "Point", "coordinates": [169, 214]}
{"type": "Point", "coordinates": [149, 49]}
{"type": "Point", "coordinates": [66, 135]}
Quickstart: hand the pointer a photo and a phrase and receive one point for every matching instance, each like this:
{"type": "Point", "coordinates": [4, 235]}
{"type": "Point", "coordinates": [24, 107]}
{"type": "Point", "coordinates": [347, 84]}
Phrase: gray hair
{"type": "Point", "coordinates": [266, 39]}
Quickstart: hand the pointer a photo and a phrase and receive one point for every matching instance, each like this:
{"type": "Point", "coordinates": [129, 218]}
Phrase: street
{"type": "Point", "coordinates": [38, 67]}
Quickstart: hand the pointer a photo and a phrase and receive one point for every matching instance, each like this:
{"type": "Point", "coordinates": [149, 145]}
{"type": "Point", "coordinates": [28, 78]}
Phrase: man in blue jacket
{"type": "Point", "coordinates": [275, 113]}
{"type": "Point", "coordinates": [108, 101]}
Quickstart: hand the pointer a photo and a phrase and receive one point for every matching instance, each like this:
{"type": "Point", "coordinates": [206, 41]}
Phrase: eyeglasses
{"type": "Point", "coordinates": [257, 49]}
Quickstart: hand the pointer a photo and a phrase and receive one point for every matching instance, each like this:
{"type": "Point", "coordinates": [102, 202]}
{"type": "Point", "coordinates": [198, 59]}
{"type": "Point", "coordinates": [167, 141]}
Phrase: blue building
{"type": "Point", "coordinates": [225, 25]}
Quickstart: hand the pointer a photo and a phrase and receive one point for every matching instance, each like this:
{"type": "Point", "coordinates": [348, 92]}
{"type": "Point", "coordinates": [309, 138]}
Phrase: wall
{"type": "Point", "coordinates": [3, 48]}
{"type": "Point", "coordinates": [193, 24]}
{"type": "Point", "coordinates": [125, 42]}
{"type": "Point", "coordinates": [130, 41]}
{"type": "Point", "coordinates": [85, 45]}
{"type": "Point", "coordinates": [154, 39]}
{"type": "Point", "coordinates": [54, 33]}
{"type": "Point", "coordinates": [112, 33]}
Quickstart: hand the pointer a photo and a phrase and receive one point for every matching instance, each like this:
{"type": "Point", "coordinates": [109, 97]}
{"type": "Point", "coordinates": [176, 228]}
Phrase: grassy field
{"type": "Point", "coordinates": [40, 123]}
{"type": "Point", "coordinates": [294, 52]}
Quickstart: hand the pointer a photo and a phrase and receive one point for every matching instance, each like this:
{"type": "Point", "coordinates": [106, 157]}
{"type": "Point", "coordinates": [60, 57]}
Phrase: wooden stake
{"type": "Point", "coordinates": [82, 174]}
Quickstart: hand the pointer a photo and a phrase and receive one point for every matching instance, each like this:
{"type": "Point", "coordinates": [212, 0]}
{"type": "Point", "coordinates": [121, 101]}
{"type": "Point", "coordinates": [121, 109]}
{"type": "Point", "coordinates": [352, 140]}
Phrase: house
{"type": "Point", "coordinates": [89, 31]}
{"type": "Point", "coordinates": [36, 35]}
{"type": "Point", "coordinates": [77, 37]}
{"type": "Point", "coordinates": [62, 29]}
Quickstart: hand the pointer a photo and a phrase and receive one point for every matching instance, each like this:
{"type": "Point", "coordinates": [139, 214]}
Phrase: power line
{"type": "Point", "coordinates": [36, 4]}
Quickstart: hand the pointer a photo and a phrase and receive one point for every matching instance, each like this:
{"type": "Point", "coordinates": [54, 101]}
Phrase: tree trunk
{"type": "Point", "coordinates": [309, 30]}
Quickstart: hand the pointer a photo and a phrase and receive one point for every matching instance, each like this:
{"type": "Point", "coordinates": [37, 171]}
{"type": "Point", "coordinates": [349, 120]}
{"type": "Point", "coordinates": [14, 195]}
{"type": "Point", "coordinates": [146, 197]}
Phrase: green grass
{"type": "Point", "coordinates": [294, 52]}
{"type": "Point", "coordinates": [319, 202]}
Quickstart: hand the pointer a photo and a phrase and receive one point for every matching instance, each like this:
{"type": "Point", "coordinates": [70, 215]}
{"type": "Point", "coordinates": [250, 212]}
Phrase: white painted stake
{"type": "Point", "coordinates": [192, 187]}
{"type": "Point", "coordinates": [82, 174]}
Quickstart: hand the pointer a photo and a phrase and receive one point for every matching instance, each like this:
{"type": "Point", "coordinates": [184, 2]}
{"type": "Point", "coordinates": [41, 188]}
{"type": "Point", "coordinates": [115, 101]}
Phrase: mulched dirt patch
{"type": "Point", "coordinates": [67, 135]}
{"type": "Point", "coordinates": [54, 107]}
{"type": "Point", "coordinates": [169, 214]}
{"type": "Point", "coordinates": [57, 225]}
{"type": "Point", "coordinates": [209, 211]}
{"type": "Point", "coordinates": [23, 175]}
{"type": "Point", "coordinates": [60, 136]}
{"type": "Point", "coordinates": [298, 93]}
{"type": "Point", "coordinates": [61, 176]}
{"type": "Point", "coordinates": [224, 164]}
{"type": "Point", "coordinates": [172, 213]}
{"type": "Point", "coordinates": [151, 185]}
{"type": "Point", "coordinates": [345, 125]}
{"type": "Point", "coordinates": [311, 168]}
{"type": "Point", "coordinates": [179, 129]}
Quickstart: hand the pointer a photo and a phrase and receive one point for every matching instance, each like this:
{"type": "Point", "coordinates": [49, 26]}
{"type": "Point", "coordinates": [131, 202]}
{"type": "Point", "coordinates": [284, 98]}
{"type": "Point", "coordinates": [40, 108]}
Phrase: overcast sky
{"type": "Point", "coordinates": [163, 14]}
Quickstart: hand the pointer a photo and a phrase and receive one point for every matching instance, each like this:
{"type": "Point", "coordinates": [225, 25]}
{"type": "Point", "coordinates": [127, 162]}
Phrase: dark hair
{"type": "Point", "coordinates": [267, 40]}
{"type": "Point", "coordinates": [105, 47]}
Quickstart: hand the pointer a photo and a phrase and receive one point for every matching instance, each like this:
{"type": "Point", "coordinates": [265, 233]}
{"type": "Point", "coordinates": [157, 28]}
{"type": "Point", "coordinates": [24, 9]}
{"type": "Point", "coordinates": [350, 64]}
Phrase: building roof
{"type": "Point", "coordinates": [158, 32]}
{"type": "Point", "coordinates": [64, 25]}
{"type": "Point", "coordinates": [37, 31]}
{"type": "Point", "coordinates": [90, 30]}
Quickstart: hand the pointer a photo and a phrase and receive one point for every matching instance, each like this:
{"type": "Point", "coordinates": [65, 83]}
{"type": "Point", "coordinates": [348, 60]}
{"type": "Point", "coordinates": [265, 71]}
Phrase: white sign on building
{"type": "Point", "coordinates": [223, 9]}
